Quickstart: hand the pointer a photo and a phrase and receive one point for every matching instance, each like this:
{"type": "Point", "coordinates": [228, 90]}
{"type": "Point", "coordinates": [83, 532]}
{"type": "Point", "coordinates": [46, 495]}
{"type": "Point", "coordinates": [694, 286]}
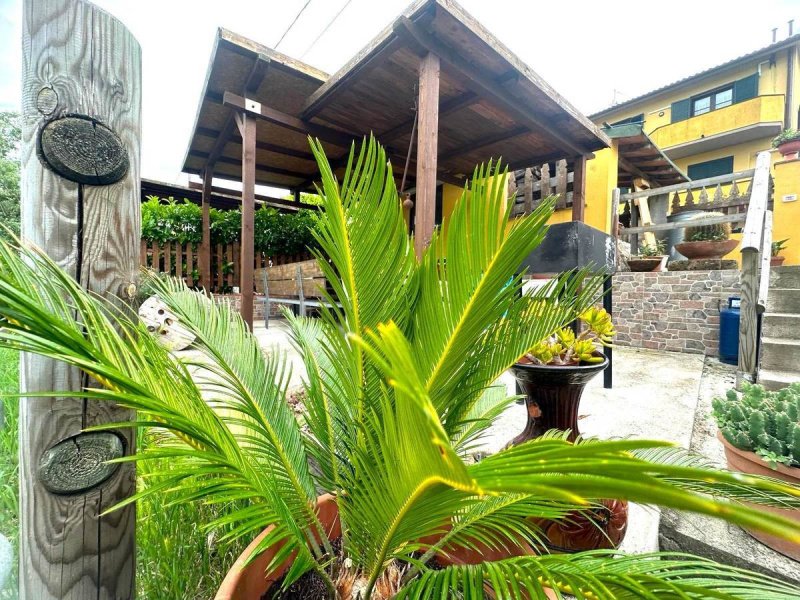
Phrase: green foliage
{"type": "Point", "coordinates": [656, 249]}
{"type": "Point", "coordinates": [763, 422]}
{"type": "Point", "coordinates": [778, 246]}
{"type": "Point", "coordinates": [9, 467]}
{"type": "Point", "coordinates": [10, 137]}
{"type": "Point", "coordinates": [398, 389]}
{"type": "Point", "coordinates": [787, 135]}
{"type": "Point", "coordinates": [275, 233]}
{"type": "Point", "coordinates": [708, 233]}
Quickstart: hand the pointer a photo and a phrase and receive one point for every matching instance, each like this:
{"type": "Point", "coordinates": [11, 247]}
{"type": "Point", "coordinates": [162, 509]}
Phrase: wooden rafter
{"type": "Point", "coordinates": [227, 160]}
{"type": "Point", "coordinates": [484, 142]}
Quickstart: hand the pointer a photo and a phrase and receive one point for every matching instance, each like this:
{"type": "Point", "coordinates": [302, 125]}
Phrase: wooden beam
{"type": "Point", "coordinates": [282, 119]}
{"type": "Point", "coordinates": [427, 145]}
{"type": "Point", "coordinates": [692, 185]}
{"type": "Point", "coordinates": [488, 140]}
{"type": "Point", "coordinates": [227, 160]}
{"type": "Point", "coordinates": [445, 108]}
{"type": "Point", "coordinates": [77, 60]}
{"type": "Point", "coordinates": [247, 127]}
{"type": "Point", "coordinates": [484, 86]}
{"type": "Point", "coordinates": [631, 168]}
{"type": "Point", "coordinates": [254, 79]}
{"type": "Point", "coordinates": [579, 189]}
{"type": "Point", "coordinates": [205, 243]}
{"type": "Point", "coordinates": [735, 218]}
{"type": "Point", "coordinates": [235, 139]}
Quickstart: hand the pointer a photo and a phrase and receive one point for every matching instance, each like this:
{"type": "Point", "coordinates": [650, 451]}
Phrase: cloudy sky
{"type": "Point", "coordinates": [591, 52]}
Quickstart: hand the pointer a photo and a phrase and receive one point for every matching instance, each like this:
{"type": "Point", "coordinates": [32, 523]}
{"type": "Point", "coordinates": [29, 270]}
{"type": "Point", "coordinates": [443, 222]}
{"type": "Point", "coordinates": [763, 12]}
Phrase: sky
{"type": "Point", "coordinates": [593, 53]}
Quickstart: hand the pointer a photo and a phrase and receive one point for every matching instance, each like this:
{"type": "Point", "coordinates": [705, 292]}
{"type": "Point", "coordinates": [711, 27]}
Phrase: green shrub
{"type": "Point", "coordinates": [708, 233]}
{"type": "Point", "coordinates": [787, 135]}
{"type": "Point", "coordinates": [767, 423]}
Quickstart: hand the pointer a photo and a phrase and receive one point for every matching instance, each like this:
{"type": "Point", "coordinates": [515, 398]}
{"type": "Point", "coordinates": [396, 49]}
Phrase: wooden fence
{"type": "Point", "coordinates": [529, 186]}
{"type": "Point", "coordinates": [183, 261]}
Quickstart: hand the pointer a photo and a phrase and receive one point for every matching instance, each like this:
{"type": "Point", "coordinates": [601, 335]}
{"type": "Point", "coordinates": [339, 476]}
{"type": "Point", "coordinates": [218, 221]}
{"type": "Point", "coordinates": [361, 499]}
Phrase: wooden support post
{"type": "Point", "coordinates": [247, 127]}
{"type": "Point", "coordinates": [579, 189]}
{"type": "Point", "coordinates": [301, 297]}
{"type": "Point", "coordinates": [527, 191]}
{"type": "Point", "coordinates": [205, 243]}
{"type": "Point", "coordinates": [81, 81]}
{"type": "Point", "coordinates": [427, 147]}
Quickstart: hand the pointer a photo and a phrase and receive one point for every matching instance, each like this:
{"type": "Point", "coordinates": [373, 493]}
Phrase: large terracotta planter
{"type": "Point", "coordinates": [750, 462]}
{"type": "Point", "coordinates": [693, 250]}
{"type": "Point", "coordinates": [776, 261]}
{"type": "Point", "coordinates": [251, 583]}
{"type": "Point", "coordinates": [552, 396]}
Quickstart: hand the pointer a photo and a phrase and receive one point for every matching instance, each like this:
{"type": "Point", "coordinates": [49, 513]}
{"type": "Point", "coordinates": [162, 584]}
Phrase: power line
{"type": "Point", "coordinates": [331, 22]}
{"type": "Point", "coordinates": [288, 29]}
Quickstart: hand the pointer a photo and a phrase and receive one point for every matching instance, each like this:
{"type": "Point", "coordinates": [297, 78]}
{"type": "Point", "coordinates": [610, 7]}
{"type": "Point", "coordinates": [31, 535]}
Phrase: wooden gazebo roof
{"type": "Point", "coordinates": [490, 103]}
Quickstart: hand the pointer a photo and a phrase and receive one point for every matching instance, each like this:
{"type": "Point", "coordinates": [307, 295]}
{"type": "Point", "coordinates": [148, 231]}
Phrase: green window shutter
{"type": "Point", "coordinates": [710, 168]}
{"type": "Point", "coordinates": [680, 110]}
{"type": "Point", "coordinates": [744, 89]}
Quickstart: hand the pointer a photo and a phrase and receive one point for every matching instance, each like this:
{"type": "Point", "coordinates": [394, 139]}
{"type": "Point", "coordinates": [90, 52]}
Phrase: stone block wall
{"type": "Point", "coordinates": [676, 311]}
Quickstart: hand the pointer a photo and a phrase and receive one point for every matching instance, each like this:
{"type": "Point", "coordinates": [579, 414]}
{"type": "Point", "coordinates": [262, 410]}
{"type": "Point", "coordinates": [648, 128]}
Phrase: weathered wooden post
{"type": "Point", "coordinates": [81, 105]}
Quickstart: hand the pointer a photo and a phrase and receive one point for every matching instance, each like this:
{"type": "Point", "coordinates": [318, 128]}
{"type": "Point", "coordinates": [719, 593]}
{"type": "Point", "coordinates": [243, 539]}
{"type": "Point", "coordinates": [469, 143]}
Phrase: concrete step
{"type": "Point", "coordinates": [780, 355]}
{"type": "Point", "coordinates": [781, 325]}
{"type": "Point", "coordinates": [785, 277]}
{"type": "Point", "coordinates": [777, 380]}
{"type": "Point", "coordinates": [783, 300]}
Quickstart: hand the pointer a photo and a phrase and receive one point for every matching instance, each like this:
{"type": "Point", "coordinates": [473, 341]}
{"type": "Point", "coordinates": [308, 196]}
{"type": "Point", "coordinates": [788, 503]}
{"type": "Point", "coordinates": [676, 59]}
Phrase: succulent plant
{"type": "Point", "coordinates": [767, 423]}
{"type": "Point", "coordinates": [787, 135]}
{"type": "Point", "coordinates": [651, 250]}
{"type": "Point", "coordinates": [566, 348]}
{"type": "Point", "coordinates": [778, 246]}
{"type": "Point", "coordinates": [708, 233]}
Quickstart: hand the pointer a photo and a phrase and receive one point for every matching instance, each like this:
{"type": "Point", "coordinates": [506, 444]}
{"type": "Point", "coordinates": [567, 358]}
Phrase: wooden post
{"type": "Point", "coordinates": [527, 192]}
{"type": "Point", "coordinates": [427, 147]}
{"type": "Point", "coordinates": [247, 127]}
{"type": "Point", "coordinates": [205, 243]}
{"type": "Point", "coordinates": [81, 81]}
{"type": "Point", "coordinates": [579, 189]}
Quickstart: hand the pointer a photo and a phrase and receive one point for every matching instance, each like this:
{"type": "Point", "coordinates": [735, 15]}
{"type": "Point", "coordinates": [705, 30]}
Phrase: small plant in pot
{"type": "Point", "coordinates": [788, 143]}
{"type": "Point", "coordinates": [776, 260]}
{"type": "Point", "coordinates": [651, 257]}
{"type": "Point", "coordinates": [376, 483]}
{"type": "Point", "coordinates": [760, 431]}
{"type": "Point", "coordinates": [707, 241]}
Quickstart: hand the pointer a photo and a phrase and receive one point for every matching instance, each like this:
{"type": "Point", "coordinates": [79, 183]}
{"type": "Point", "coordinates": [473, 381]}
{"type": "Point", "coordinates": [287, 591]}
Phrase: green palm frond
{"type": "Point", "coordinates": [600, 575]}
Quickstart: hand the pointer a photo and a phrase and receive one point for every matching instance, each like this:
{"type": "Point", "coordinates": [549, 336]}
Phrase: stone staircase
{"type": "Point", "coordinates": [780, 333]}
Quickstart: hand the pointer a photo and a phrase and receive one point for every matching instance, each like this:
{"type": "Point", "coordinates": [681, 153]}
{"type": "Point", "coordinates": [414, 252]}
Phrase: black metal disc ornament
{"type": "Point", "coordinates": [83, 150]}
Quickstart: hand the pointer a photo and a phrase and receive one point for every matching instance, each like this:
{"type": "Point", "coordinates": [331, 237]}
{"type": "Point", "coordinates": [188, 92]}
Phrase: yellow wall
{"type": "Point", "coordinates": [450, 195]}
{"type": "Point", "coordinates": [786, 215]}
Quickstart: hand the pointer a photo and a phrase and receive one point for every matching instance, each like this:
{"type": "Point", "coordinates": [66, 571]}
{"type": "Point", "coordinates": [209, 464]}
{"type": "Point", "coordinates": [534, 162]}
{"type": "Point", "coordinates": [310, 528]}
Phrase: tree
{"type": "Point", "coordinates": [10, 137]}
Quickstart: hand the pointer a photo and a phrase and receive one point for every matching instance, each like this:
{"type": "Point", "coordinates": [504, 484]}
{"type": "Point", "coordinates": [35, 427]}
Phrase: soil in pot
{"type": "Point", "coordinates": [750, 462]}
{"type": "Point", "coordinates": [706, 249]}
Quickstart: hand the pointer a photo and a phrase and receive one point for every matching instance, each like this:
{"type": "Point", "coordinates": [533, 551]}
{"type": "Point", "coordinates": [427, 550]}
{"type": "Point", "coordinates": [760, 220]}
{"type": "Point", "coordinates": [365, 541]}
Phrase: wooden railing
{"type": "Point", "coordinates": [756, 246]}
{"type": "Point", "coordinates": [530, 186]}
{"type": "Point", "coordinates": [183, 261]}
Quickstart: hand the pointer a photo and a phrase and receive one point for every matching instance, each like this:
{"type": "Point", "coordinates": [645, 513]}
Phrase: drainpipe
{"type": "Point", "coordinates": [788, 118]}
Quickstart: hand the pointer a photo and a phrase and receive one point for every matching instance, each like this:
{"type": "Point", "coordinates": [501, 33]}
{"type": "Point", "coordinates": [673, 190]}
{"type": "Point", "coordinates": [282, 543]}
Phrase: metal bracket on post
{"type": "Point", "coordinates": [300, 296]}
{"type": "Point", "coordinates": [267, 306]}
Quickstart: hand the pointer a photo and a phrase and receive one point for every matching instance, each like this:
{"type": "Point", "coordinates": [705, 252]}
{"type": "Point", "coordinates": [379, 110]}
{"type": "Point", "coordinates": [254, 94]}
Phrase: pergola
{"type": "Point", "coordinates": [434, 81]}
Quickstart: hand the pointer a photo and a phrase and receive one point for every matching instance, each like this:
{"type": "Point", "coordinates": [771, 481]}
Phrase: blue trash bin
{"type": "Point", "coordinates": [729, 331]}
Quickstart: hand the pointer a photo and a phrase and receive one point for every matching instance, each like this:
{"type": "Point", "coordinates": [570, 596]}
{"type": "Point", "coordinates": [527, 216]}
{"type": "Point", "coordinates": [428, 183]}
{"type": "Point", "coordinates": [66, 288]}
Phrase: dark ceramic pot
{"type": "Point", "coordinates": [644, 264]}
{"type": "Point", "coordinates": [552, 396]}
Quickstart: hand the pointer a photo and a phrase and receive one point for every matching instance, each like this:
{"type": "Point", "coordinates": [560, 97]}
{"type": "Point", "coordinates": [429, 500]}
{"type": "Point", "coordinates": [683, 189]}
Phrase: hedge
{"type": "Point", "coordinates": [276, 233]}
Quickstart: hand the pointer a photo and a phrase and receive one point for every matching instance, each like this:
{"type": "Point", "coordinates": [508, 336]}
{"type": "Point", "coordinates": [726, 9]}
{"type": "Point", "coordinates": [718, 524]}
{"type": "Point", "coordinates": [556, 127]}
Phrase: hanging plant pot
{"type": "Point", "coordinates": [706, 249]}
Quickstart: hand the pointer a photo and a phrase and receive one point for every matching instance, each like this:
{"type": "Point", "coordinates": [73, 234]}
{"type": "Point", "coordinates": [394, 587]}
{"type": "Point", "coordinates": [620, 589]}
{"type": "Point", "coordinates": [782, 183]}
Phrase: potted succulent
{"type": "Point", "coordinates": [651, 257]}
{"type": "Point", "coordinates": [760, 431]}
{"type": "Point", "coordinates": [377, 483]}
{"type": "Point", "coordinates": [707, 241]}
{"type": "Point", "coordinates": [788, 143]}
{"type": "Point", "coordinates": [776, 260]}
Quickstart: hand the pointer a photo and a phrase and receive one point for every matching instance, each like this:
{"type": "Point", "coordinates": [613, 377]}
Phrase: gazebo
{"type": "Point", "coordinates": [436, 89]}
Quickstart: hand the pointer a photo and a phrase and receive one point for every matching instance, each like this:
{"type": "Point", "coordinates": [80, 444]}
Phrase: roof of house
{"type": "Point", "coordinates": [491, 103]}
{"type": "Point", "coordinates": [785, 43]}
{"type": "Point", "coordinates": [640, 157]}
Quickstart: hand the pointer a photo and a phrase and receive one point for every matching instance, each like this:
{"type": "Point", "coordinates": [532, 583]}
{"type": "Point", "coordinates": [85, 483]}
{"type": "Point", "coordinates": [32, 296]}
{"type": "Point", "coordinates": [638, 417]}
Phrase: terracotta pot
{"type": "Point", "coordinates": [250, 582]}
{"type": "Point", "coordinates": [776, 261]}
{"type": "Point", "coordinates": [789, 149]}
{"type": "Point", "coordinates": [706, 249]}
{"type": "Point", "coordinates": [641, 264]}
{"type": "Point", "coordinates": [602, 528]}
{"type": "Point", "coordinates": [552, 396]}
{"type": "Point", "coordinates": [750, 462]}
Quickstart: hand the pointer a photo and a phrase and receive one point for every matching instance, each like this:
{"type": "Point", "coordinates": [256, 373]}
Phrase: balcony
{"type": "Point", "coordinates": [752, 119]}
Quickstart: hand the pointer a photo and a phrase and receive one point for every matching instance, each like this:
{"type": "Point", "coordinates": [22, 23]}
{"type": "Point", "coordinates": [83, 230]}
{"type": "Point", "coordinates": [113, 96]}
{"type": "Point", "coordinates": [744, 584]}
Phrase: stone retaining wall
{"type": "Point", "coordinates": [676, 311]}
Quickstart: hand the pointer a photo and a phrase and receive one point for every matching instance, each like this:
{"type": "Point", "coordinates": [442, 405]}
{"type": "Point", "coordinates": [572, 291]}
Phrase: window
{"type": "Point", "coordinates": [710, 168]}
{"type": "Point", "coordinates": [712, 101]}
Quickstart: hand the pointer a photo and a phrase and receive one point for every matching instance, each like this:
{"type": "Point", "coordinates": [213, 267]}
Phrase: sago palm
{"type": "Point", "coordinates": [399, 390]}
